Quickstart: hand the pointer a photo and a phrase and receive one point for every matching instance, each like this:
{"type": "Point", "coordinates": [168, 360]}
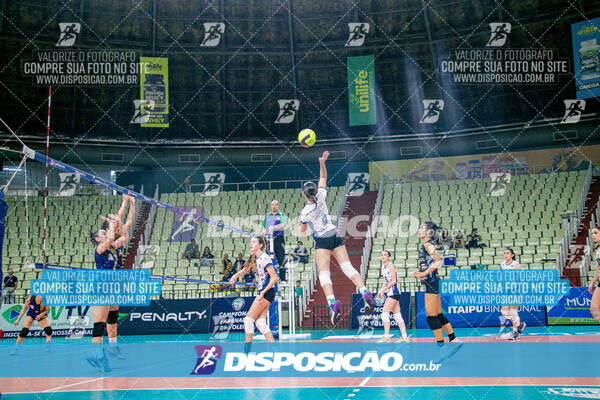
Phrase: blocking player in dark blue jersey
{"type": "Point", "coordinates": [107, 255]}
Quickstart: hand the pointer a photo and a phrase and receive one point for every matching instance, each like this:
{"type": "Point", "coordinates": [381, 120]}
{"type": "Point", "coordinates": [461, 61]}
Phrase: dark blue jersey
{"type": "Point", "coordinates": [110, 259]}
{"type": "Point", "coordinates": [425, 261]}
{"type": "Point", "coordinates": [35, 308]}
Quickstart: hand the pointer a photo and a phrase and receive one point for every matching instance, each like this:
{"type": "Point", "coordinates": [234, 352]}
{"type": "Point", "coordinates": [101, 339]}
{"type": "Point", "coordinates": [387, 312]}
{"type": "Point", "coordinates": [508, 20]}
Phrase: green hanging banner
{"type": "Point", "coordinates": [361, 90]}
{"type": "Point", "coordinates": [154, 92]}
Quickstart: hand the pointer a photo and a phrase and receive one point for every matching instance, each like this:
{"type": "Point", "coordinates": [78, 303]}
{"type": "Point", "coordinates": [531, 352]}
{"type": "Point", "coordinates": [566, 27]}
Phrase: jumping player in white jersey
{"type": "Point", "coordinates": [511, 313]}
{"type": "Point", "coordinates": [392, 303]}
{"type": "Point", "coordinates": [327, 241]}
{"type": "Point", "coordinates": [266, 277]}
{"type": "Point", "coordinates": [593, 289]}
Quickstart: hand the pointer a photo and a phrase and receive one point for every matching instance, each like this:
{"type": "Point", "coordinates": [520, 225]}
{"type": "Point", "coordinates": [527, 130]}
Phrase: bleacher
{"type": "Point", "coordinates": [70, 221]}
{"type": "Point", "coordinates": [526, 218]}
{"type": "Point", "coordinates": [233, 208]}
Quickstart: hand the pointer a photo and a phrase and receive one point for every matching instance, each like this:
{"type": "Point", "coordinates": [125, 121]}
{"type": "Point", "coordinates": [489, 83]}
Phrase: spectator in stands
{"type": "Point", "coordinates": [239, 263]}
{"type": "Point", "coordinates": [445, 239]}
{"type": "Point", "coordinates": [299, 291]}
{"type": "Point", "coordinates": [191, 250]}
{"type": "Point", "coordinates": [227, 274]}
{"type": "Point", "coordinates": [459, 241]}
{"type": "Point", "coordinates": [300, 253]}
{"type": "Point", "coordinates": [473, 240]}
{"type": "Point", "coordinates": [207, 257]}
{"type": "Point", "coordinates": [10, 286]}
{"type": "Point", "coordinates": [225, 261]}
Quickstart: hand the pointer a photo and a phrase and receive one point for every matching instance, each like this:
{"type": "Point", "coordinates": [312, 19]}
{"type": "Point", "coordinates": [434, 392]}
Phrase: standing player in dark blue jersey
{"type": "Point", "coordinates": [429, 262]}
{"type": "Point", "coordinates": [121, 230]}
{"type": "Point", "coordinates": [266, 279]}
{"type": "Point", "coordinates": [36, 311]}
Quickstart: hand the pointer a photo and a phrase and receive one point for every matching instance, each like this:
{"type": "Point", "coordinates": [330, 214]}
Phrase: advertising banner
{"type": "Point", "coordinates": [154, 92]}
{"type": "Point", "coordinates": [361, 91]}
{"type": "Point", "coordinates": [586, 58]}
{"type": "Point", "coordinates": [65, 321]}
{"type": "Point", "coordinates": [478, 316]}
{"type": "Point", "coordinates": [572, 309]}
{"type": "Point", "coordinates": [358, 319]}
{"type": "Point", "coordinates": [483, 165]}
{"type": "Point", "coordinates": [227, 314]}
{"type": "Point", "coordinates": [165, 316]}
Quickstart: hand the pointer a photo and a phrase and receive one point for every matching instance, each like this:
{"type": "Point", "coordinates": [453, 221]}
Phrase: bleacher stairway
{"type": "Point", "coordinates": [316, 315]}
{"type": "Point", "coordinates": [140, 226]}
{"type": "Point", "coordinates": [576, 249]}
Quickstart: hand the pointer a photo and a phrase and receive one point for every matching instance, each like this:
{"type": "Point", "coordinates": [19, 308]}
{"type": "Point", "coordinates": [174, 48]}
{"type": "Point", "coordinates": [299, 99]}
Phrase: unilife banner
{"type": "Point", "coordinates": [586, 58]}
{"type": "Point", "coordinates": [361, 91]}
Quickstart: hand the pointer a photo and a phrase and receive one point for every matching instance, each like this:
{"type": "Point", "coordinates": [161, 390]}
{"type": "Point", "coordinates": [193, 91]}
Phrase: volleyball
{"type": "Point", "coordinates": [307, 137]}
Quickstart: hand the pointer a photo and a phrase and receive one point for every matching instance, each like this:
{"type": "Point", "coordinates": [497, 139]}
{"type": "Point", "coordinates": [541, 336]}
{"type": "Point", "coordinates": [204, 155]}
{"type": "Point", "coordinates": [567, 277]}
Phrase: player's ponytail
{"type": "Point", "coordinates": [310, 190]}
{"type": "Point", "coordinates": [430, 226]}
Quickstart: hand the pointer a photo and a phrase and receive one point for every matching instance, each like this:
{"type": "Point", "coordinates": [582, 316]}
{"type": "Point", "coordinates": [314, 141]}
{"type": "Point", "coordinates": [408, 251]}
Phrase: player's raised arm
{"type": "Point", "coordinates": [323, 170]}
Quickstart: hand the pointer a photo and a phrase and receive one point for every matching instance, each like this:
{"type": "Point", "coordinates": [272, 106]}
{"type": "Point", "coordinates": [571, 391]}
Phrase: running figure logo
{"type": "Point", "coordinates": [287, 111]}
{"type": "Point", "coordinates": [68, 183]}
{"type": "Point", "coordinates": [358, 34]}
{"type": "Point", "coordinates": [213, 183]}
{"type": "Point", "coordinates": [500, 183]}
{"type": "Point", "coordinates": [207, 359]}
{"type": "Point", "coordinates": [185, 226]}
{"type": "Point", "coordinates": [68, 33]}
{"type": "Point", "coordinates": [148, 255]}
{"type": "Point", "coordinates": [213, 31]}
{"type": "Point", "coordinates": [500, 32]}
{"type": "Point", "coordinates": [358, 183]}
{"type": "Point", "coordinates": [573, 111]}
{"type": "Point", "coordinates": [432, 110]}
{"type": "Point", "coordinates": [139, 116]}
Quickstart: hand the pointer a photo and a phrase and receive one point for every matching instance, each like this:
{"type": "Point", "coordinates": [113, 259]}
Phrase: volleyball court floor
{"type": "Point", "coordinates": [580, 342]}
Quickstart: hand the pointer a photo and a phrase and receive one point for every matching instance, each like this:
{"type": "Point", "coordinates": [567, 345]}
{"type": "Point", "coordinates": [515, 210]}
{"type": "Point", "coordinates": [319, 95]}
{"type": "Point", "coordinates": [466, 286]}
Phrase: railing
{"type": "Point", "coordinates": [289, 184]}
{"type": "Point", "coordinates": [372, 231]}
{"type": "Point", "coordinates": [341, 204]}
{"type": "Point", "coordinates": [146, 236]}
{"type": "Point", "coordinates": [322, 319]}
{"type": "Point", "coordinates": [571, 222]}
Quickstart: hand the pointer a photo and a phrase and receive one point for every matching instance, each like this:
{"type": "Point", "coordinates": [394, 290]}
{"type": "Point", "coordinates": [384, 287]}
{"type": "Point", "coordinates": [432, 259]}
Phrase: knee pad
{"type": "Point", "coordinates": [399, 319]}
{"type": "Point", "coordinates": [348, 269]}
{"type": "Point", "coordinates": [443, 320]}
{"type": "Point", "coordinates": [24, 332]}
{"type": "Point", "coordinates": [248, 325]}
{"type": "Point", "coordinates": [385, 317]}
{"type": "Point", "coordinates": [48, 331]}
{"type": "Point", "coordinates": [262, 326]}
{"type": "Point", "coordinates": [98, 330]}
{"type": "Point", "coordinates": [325, 278]}
{"type": "Point", "coordinates": [113, 317]}
{"type": "Point", "coordinates": [434, 323]}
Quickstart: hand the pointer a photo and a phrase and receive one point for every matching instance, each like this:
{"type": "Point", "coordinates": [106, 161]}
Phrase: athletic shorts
{"type": "Point", "coordinates": [43, 317]}
{"type": "Point", "coordinates": [270, 295]}
{"type": "Point", "coordinates": [395, 297]}
{"type": "Point", "coordinates": [329, 242]}
{"type": "Point", "coordinates": [432, 288]}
